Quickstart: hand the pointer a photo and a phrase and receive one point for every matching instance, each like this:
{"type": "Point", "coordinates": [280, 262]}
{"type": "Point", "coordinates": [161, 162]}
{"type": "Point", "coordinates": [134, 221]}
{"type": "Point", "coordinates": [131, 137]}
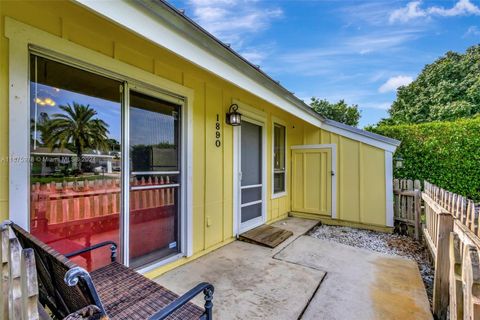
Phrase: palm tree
{"type": "Point", "coordinates": [77, 130]}
{"type": "Point", "coordinates": [38, 129]}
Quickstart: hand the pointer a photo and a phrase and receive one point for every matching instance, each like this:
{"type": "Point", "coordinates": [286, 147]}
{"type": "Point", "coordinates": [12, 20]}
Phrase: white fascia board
{"type": "Point", "coordinates": [135, 18]}
{"type": "Point", "coordinates": [358, 137]}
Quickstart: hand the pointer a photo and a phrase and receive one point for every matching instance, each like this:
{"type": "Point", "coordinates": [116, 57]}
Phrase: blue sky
{"type": "Point", "coordinates": [354, 50]}
{"type": "Point", "coordinates": [146, 127]}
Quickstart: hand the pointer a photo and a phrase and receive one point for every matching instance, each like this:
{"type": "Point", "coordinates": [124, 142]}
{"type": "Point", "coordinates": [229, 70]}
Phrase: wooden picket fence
{"type": "Point", "coordinates": [18, 283]}
{"type": "Point", "coordinates": [65, 202]}
{"type": "Point", "coordinates": [407, 204]}
{"type": "Point", "coordinates": [463, 209]}
{"type": "Point", "coordinates": [451, 233]}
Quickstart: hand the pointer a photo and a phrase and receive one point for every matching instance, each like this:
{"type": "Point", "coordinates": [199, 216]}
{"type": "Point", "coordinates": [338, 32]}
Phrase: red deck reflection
{"type": "Point", "coordinates": [75, 217]}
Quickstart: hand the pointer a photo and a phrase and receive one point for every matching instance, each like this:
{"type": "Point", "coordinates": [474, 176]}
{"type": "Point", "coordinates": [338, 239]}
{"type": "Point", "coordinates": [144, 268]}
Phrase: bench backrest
{"type": "Point", "coordinates": [52, 267]}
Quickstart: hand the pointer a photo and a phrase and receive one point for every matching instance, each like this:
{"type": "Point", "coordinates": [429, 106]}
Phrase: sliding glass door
{"type": "Point", "coordinates": [105, 165]}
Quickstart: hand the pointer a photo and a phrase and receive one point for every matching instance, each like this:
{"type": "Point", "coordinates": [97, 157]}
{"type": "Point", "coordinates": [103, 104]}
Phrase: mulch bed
{"type": "Point", "coordinates": [393, 244]}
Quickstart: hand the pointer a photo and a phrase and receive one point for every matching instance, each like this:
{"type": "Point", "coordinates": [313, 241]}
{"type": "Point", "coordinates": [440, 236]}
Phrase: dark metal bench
{"type": "Point", "coordinates": [111, 292]}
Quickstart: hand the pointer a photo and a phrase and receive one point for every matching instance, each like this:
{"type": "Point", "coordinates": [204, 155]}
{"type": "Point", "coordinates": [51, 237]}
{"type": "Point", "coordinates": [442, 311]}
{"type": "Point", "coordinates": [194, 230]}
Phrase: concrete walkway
{"type": "Point", "coordinates": [304, 278]}
{"type": "Point", "coordinates": [360, 284]}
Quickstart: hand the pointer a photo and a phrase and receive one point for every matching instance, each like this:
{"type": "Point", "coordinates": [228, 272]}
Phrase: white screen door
{"type": "Point", "coordinates": [251, 178]}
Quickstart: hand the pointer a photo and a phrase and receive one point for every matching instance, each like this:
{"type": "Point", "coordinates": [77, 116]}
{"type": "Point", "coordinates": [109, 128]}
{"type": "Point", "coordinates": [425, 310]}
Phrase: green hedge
{"type": "Point", "coordinates": [444, 153]}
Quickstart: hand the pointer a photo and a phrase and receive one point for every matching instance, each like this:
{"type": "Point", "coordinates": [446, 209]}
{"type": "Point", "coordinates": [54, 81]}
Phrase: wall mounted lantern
{"type": "Point", "coordinates": [234, 117]}
{"type": "Point", "coordinates": [398, 162]}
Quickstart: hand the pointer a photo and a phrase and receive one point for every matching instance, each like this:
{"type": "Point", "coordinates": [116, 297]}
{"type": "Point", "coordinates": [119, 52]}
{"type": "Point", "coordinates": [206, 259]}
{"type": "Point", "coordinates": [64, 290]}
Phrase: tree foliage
{"type": "Point", "coordinates": [444, 153]}
{"type": "Point", "coordinates": [339, 111]}
{"type": "Point", "coordinates": [77, 129]}
{"type": "Point", "coordinates": [445, 90]}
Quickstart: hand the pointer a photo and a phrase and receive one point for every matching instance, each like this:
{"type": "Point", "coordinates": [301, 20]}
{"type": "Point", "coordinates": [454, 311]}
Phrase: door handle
{"type": "Point", "coordinates": [332, 173]}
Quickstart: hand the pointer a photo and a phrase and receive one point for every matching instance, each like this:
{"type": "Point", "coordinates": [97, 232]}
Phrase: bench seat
{"type": "Point", "coordinates": [128, 295]}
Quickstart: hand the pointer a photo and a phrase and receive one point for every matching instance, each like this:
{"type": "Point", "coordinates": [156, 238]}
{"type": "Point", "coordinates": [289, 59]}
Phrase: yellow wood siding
{"type": "Point", "coordinates": [360, 168]}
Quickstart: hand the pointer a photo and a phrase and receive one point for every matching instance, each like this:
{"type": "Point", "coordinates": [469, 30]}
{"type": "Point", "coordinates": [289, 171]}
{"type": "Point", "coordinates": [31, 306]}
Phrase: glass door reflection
{"type": "Point", "coordinates": [75, 147]}
{"type": "Point", "coordinates": [154, 179]}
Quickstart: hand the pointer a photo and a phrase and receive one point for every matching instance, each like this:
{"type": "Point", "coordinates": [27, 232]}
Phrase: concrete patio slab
{"type": "Point", "coordinates": [249, 284]}
{"type": "Point", "coordinates": [359, 284]}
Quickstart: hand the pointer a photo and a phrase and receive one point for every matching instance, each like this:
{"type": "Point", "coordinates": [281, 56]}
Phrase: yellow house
{"type": "Point", "coordinates": [118, 123]}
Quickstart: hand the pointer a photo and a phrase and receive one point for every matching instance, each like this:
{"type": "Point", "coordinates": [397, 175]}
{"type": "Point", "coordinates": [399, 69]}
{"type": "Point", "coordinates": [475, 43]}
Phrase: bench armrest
{"type": "Point", "coordinates": [113, 249]}
{"type": "Point", "coordinates": [204, 287]}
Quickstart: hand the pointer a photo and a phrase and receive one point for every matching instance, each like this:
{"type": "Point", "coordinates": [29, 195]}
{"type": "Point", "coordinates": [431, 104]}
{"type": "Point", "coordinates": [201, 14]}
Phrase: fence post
{"type": "Point", "coordinates": [471, 280]}
{"type": "Point", "coordinates": [442, 266]}
{"type": "Point", "coordinates": [417, 213]}
{"type": "Point", "coordinates": [456, 287]}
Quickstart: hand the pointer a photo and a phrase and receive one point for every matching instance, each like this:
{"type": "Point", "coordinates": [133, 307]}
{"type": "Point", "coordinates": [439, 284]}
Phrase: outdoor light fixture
{"type": "Point", "coordinates": [234, 117]}
{"type": "Point", "coordinates": [45, 102]}
{"type": "Point", "coordinates": [398, 162]}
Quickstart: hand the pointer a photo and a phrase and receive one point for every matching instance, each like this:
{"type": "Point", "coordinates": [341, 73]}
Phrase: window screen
{"type": "Point", "coordinates": [278, 158]}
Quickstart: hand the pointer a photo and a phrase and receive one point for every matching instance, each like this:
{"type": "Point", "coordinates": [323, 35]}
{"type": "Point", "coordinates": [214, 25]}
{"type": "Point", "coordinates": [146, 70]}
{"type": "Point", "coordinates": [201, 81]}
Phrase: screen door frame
{"type": "Point", "coordinates": [240, 227]}
{"type": "Point", "coordinates": [183, 236]}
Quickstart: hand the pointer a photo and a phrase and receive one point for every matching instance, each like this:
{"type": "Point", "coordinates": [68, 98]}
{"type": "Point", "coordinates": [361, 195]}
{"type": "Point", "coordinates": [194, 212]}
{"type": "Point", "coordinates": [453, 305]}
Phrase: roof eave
{"type": "Point", "coordinates": [371, 138]}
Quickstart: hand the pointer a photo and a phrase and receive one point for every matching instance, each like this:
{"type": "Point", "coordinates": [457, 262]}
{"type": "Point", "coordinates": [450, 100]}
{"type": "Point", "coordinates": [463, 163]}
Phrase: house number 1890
{"type": "Point", "coordinates": [218, 143]}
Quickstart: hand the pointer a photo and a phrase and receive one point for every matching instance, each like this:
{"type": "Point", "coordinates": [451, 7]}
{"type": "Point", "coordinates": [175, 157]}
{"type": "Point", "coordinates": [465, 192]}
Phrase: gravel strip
{"type": "Point", "coordinates": [393, 244]}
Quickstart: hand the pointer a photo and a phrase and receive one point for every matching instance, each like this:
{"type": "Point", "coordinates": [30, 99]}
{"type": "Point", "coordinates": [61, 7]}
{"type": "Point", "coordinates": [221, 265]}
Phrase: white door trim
{"type": "Point", "coordinates": [238, 227]}
{"type": "Point", "coordinates": [333, 148]}
{"type": "Point", "coordinates": [389, 188]}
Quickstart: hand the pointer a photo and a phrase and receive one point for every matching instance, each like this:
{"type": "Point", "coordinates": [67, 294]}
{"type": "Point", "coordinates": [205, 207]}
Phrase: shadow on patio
{"type": "Point", "coordinates": [305, 278]}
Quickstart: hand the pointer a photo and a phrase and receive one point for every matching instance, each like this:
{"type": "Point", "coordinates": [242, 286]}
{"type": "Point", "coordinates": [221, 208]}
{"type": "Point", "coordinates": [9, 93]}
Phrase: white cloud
{"type": "Point", "coordinates": [360, 13]}
{"type": "Point", "coordinates": [413, 11]}
{"type": "Point", "coordinates": [254, 56]}
{"type": "Point", "coordinates": [472, 31]}
{"type": "Point", "coordinates": [394, 82]}
{"type": "Point", "coordinates": [330, 58]}
{"type": "Point", "coordinates": [379, 41]}
{"type": "Point", "coordinates": [232, 20]}
{"type": "Point", "coordinates": [461, 8]}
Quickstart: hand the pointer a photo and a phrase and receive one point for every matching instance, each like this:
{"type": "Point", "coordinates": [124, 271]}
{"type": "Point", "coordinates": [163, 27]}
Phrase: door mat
{"type": "Point", "coordinates": [266, 235]}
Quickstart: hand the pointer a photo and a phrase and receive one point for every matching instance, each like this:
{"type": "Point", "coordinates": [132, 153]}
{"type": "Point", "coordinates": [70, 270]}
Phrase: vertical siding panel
{"type": "Point", "coordinates": [349, 179]}
{"type": "Point", "coordinates": [275, 208]}
{"type": "Point", "coordinates": [199, 162]}
{"type": "Point", "coordinates": [373, 185]}
{"type": "Point", "coordinates": [312, 135]}
{"type": "Point", "coordinates": [325, 137]}
{"type": "Point", "coordinates": [213, 168]}
{"type": "Point", "coordinates": [227, 147]}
